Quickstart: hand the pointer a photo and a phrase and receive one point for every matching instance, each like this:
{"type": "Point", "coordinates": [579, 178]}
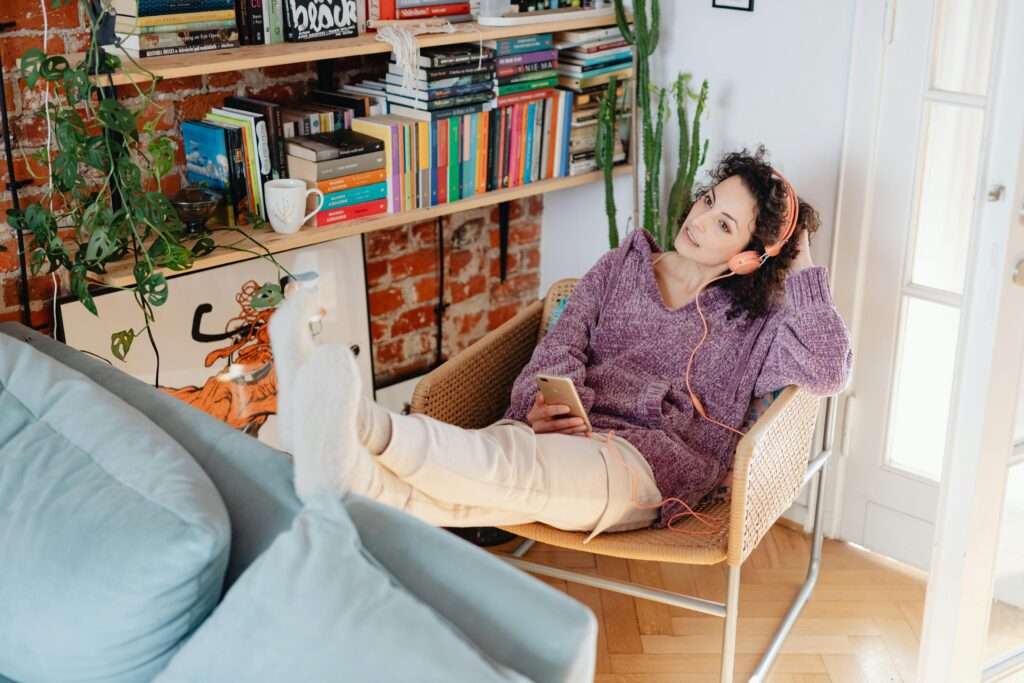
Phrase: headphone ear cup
{"type": "Point", "coordinates": [745, 262]}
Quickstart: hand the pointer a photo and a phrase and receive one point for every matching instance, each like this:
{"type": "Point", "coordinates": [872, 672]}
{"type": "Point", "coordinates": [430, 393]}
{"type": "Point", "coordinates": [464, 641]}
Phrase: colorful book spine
{"type": "Point", "coordinates": [348, 213]}
{"type": "Point", "coordinates": [527, 58]}
{"type": "Point", "coordinates": [350, 181]}
{"type": "Point", "coordinates": [446, 10]}
{"type": "Point", "coordinates": [355, 195]}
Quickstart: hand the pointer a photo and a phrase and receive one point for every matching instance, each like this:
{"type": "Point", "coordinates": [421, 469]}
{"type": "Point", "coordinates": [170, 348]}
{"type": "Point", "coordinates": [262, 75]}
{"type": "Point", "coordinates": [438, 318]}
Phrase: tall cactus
{"type": "Point", "coordinates": [644, 37]}
{"type": "Point", "coordinates": [691, 155]}
{"type": "Point", "coordinates": [604, 152]}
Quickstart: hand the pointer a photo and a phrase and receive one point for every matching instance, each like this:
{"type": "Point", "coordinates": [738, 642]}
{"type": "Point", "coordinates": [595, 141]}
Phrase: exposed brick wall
{"type": "Point", "coordinates": [402, 272]}
{"type": "Point", "coordinates": [402, 263]}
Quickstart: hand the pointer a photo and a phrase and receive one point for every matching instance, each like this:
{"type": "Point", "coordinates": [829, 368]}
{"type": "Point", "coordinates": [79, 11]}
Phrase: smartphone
{"type": "Point", "coordinates": [561, 391]}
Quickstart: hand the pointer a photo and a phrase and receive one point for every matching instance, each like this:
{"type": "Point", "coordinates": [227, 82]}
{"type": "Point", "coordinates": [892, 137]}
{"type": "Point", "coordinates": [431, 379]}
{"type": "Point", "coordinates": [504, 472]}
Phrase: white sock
{"type": "Point", "coordinates": [374, 426]}
{"type": "Point", "coordinates": [292, 343]}
{"type": "Point", "coordinates": [329, 454]}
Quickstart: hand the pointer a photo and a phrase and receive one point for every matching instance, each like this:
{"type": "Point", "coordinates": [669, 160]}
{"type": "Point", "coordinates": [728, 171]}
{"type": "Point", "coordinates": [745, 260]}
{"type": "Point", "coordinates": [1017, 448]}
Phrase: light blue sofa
{"type": "Point", "coordinates": [513, 619]}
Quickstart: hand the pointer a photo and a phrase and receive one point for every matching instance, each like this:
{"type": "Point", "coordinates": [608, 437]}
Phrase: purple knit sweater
{"type": "Point", "coordinates": [626, 352]}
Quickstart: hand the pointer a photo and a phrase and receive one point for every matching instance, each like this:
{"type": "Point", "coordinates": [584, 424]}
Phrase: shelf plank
{"type": "Point", "coordinates": [120, 274]}
{"type": "Point", "coordinates": [258, 56]}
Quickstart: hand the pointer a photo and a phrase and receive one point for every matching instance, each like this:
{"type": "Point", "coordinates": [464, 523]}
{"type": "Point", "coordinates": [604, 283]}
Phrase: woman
{"type": "Point", "coordinates": [625, 339]}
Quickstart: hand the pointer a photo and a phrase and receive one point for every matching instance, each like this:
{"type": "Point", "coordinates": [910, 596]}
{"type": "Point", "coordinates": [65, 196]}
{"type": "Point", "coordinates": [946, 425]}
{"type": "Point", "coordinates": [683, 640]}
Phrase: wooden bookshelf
{"type": "Point", "coordinates": [258, 56]}
{"type": "Point", "coordinates": [120, 274]}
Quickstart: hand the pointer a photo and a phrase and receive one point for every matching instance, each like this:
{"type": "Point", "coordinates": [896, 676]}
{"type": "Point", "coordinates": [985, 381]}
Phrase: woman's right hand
{"type": "Point", "coordinates": [545, 418]}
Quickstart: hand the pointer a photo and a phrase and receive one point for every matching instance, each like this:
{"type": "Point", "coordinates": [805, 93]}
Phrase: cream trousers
{"type": "Point", "coordinates": [506, 474]}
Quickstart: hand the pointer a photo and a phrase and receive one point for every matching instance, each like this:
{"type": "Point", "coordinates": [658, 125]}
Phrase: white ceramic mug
{"type": "Point", "coordinates": [286, 204]}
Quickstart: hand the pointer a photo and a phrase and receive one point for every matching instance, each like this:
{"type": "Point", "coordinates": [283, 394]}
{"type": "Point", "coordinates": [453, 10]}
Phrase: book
{"type": "Point", "coordinates": [438, 113]}
{"type": "Point", "coordinates": [355, 195]}
{"type": "Point", "coordinates": [587, 36]}
{"type": "Point", "coordinates": [253, 157]}
{"type": "Point", "coordinates": [443, 73]}
{"type": "Point", "coordinates": [347, 213]}
{"type": "Point", "coordinates": [452, 55]}
{"type": "Point", "coordinates": [306, 20]}
{"type": "Point", "coordinates": [182, 50]}
{"type": "Point", "coordinates": [442, 103]}
{"type": "Point", "coordinates": [147, 8]}
{"type": "Point", "coordinates": [528, 76]}
{"type": "Point", "coordinates": [142, 41]}
{"type": "Point", "coordinates": [527, 96]}
{"type": "Point", "coordinates": [185, 18]}
{"type": "Point", "coordinates": [512, 46]}
{"type": "Point", "coordinates": [447, 10]}
{"type": "Point", "coordinates": [335, 145]}
{"type": "Point", "coordinates": [127, 26]}
{"type": "Point", "coordinates": [275, 132]}
{"type": "Point", "coordinates": [573, 83]}
{"type": "Point", "coordinates": [515, 69]}
{"type": "Point", "coordinates": [587, 72]}
{"type": "Point", "coordinates": [357, 104]}
{"type": "Point", "coordinates": [513, 88]}
{"type": "Point", "coordinates": [439, 93]}
{"type": "Point", "coordinates": [347, 182]}
{"type": "Point", "coordinates": [213, 159]}
{"type": "Point", "coordinates": [527, 58]}
{"type": "Point", "coordinates": [334, 168]}
{"type": "Point", "coordinates": [398, 79]}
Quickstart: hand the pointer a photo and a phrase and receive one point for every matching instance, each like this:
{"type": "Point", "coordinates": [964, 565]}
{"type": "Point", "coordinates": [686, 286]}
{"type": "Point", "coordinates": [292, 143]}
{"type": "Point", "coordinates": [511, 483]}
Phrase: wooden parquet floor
{"type": "Point", "coordinates": [862, 623]}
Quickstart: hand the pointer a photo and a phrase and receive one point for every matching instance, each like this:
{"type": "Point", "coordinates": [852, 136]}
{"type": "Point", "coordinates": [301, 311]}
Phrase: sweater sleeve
{"type": "Point", "coordinates": [811, 345]}
{"type": "Point", "coordinates": [564, 350]}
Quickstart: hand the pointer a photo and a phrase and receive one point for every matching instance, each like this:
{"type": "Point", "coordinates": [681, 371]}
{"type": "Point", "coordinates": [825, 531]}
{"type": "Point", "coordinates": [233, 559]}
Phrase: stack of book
{"type": "Point", "coordinates": [449, 81]}
{"type": "Point", "coordinates": [525, 68]}
{"type": "Point", "coordinates": [418, 9]}
{"type": "Point", "coordinates": [153, 28]}
{"type": "Point", "coordinates": [348, 167]}
{"type": "Point", "coordinates": [587, 61]}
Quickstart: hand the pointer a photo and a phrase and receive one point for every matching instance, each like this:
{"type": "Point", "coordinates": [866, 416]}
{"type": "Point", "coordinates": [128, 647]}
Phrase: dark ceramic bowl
{"type": "Point", "coordinates": [195, 205]}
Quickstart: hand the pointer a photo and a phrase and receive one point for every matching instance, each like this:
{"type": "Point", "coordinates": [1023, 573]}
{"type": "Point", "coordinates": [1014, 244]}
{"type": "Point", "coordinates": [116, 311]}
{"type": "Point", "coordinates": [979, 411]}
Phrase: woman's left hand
{"type": "Point", "coordinates": [803, 255]}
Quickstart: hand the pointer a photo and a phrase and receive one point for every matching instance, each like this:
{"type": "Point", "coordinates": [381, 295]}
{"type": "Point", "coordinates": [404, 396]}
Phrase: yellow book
{"type": "Point", "coordinates": [185, 18]}
{"type": "Point", "coordinates": [379, 127]}
{"type": "Point", "coordinates": [423, 176]}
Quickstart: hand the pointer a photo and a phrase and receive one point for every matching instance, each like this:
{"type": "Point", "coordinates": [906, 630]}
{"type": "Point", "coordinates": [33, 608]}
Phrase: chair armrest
{"type": "Point", "coordinates": [768, 471]}
{"type": "Point", "coordinates": [473, 388]}
{"type": "Point", "coordinates": [511, 617]}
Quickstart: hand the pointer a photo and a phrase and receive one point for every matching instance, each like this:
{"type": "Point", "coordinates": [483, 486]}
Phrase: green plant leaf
{"type": "Point", "coordinates": [101, 247]}
{"type": "Point", "coordinates": [121, 343]}
{"type": "Point", "coordinates": [76, 85]}
{"type": "Point", "coordinates": [267, 296]}
{"type": "Point", "coordinates": [117, 117]}
{"type": "Point", "coordinates": [53, 68]}
{"type": "Point", "coordinates": [70, 130]}
{"type": "Point", "coordinates": [94, 153]}
{"type": "Point", "coordinates": [80, 288]}
{"type": "Point", "coordinates": [31, 63]}
{"type": "Point", "coordinates": [162, 152]}
{"type": "Point", "coordinates": [155, 289]}
{"type": "Point", "coordinates": [65, 171]}
{"type": "Point", "coordinates": [203, 247]}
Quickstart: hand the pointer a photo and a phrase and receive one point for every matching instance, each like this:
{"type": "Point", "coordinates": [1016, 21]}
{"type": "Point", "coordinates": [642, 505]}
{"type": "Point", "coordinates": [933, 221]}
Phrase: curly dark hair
{"type": "Point", "coordinates": [753, 294]}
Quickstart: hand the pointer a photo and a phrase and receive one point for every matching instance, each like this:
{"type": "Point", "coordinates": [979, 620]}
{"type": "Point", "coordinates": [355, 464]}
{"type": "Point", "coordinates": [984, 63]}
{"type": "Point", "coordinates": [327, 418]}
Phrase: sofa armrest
{"type": "Point", "coordinates": [513, 618]}
{"type": "Point", "coordinates": [472, 389]}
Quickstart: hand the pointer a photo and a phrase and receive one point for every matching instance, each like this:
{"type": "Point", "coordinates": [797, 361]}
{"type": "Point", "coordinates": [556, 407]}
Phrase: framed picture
{"type": "Point", "coordinates": [212, 333]}
{"type": "Point", "coordinates": [742, 5]}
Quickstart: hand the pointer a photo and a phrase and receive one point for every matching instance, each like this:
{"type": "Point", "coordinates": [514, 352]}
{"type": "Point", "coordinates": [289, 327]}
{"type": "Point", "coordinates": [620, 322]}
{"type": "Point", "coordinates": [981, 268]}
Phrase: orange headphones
{"type": "Point", "coordinates": [745, 263]}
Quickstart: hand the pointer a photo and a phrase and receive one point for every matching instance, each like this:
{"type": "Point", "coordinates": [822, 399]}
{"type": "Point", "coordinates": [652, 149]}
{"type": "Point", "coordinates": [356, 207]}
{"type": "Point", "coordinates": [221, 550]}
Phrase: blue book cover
{"type": "Point", "coordinates": [355, 195]}
{"type": "Point", "coordinates": [469, 170]}
{"type": "Point", "coordinates": [153, 8]}
{"type": "Point", "coordinates": [531, 113]}
{"type": "Point", "coordinates": [516, 46]}
{"type": "Point", "coordinates": [213, 159]}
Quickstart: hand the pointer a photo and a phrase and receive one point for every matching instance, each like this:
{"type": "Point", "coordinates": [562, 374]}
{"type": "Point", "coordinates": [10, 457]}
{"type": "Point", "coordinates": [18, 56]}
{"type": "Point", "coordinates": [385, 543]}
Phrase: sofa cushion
{"type": "Point", "coordinates": [316, 606]}
{"type": "Point", "coordinates": [114, 541]}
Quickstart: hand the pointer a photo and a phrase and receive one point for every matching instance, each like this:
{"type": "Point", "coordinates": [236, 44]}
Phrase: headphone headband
{"type": "Point", "coordinates": [792, 210]}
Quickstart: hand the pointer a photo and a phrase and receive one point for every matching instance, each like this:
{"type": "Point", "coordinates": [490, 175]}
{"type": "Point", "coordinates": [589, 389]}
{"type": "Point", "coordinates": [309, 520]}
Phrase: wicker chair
{"type": "Point", "coordinates": [771, 466]}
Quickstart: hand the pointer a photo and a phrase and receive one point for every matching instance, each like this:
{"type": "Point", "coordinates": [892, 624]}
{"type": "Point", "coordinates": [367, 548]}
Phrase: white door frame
{"type": "Point", "coordinates": [854, 204]}
{"type": "Point", "coordinates": [980, 431]}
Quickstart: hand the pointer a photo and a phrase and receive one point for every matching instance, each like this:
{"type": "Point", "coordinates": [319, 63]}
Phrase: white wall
{"type": "Point", "coordinates": [778, 76]}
